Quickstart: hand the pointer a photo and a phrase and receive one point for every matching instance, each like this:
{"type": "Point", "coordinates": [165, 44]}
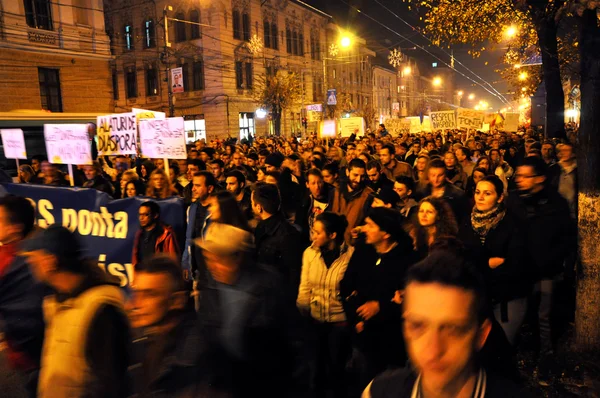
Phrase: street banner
{"type": "Point", "coordinates": [148, 114]}
{"type": "Point", "coordinates": [444, 120]}
{"type": "Point", "coordinates": [117, 134]}
{"type": "Point", "coordinates": [163, 139]}
{"type": "Point", "coordinates": [332, 96]}
{"type": "Point", "coordinates": [328, 129]}
{"type": "Point", "coordinates": [68, 143]}
{"type": "Point", "coordinates": [13, 144]}
{"type": "Point", "coordinates": [395, 108]}
{"type": "Point", "coordinates": [177, 80]}
{"type": "Point", "coordinates": [511, 122]}
{"type": "Point", "coordinates": [106, 228]}
{"type": "Point", "coordinates": [314, 108]}
{"type": "Point", "coordinates": [469, 118]}
{"type": "Point", "coordinates": [351, 125]}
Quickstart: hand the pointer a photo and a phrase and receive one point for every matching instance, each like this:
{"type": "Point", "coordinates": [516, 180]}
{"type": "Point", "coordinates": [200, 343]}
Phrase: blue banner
{"type": "Point", "coordinates": [106, 227]}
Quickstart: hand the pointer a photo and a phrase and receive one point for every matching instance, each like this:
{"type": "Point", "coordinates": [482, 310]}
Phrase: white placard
{"type": "Point", "coordinates": [68, 143]}
{"type": "Point", "coordinates": [163, 138]}
{"type": "Point", "coordinates": [351, 125]}
{"type": "Point", "coordinates": [469, 118]}
{"type": "Point", "coordinates": [13, 144]}
{"type": "Point", "coordinates": [328, 129]}
{"type": "Point", "coordinates": [117, 134]}
{"type": "Point", "coordinates": [444, 120]}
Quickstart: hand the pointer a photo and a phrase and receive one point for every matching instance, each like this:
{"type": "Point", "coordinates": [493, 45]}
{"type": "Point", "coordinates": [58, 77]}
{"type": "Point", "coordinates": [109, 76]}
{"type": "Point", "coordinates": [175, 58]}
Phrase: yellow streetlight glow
{"type": "Point", "coordinates": [471, 97]}
{"type": "Point", "coordinates": [524, 89]}
{"type": "Point", "coordinates": [345, 42]}
{"type": "Point", "coordinates": [511, 31]}
{"type": "Point", "coordinates": [407, 71]}
{"type": "Point", "coordinates": [477, 107]}
{"type": "Point", "coordinates": [523, 76]}
{"type": "Point", "coordinates": [437, 81]}
{"type": "Point", "coordinates": [460, 93]}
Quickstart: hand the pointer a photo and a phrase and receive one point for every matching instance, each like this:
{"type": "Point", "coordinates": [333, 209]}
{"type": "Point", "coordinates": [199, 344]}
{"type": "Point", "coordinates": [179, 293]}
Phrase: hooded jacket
{"type": "Point", "coordinates": [165, 243]}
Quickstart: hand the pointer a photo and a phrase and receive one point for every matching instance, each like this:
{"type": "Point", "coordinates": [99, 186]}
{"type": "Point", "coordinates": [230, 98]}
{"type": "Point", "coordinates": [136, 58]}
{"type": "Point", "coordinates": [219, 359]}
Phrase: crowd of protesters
{"type": "Point", "coordinates": [381, 266]}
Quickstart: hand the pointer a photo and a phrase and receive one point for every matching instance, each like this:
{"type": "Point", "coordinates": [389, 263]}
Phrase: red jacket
{"type": "Point", "coordinates": [166, 243]}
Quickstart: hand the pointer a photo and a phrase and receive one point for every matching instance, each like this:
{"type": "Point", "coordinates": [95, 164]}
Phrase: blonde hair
{"type": "Point", "coordinates": [167, 190]}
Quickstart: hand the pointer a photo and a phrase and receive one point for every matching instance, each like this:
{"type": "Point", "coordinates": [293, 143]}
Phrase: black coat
{"type": "Point", "coordinates": [305, 209]}
{"type": "Point", "coordinates": [279, 245]}
{"type": "Point", "coordinates": [550, 233]}
{"type": "Point", "coordinates": [511, 280]}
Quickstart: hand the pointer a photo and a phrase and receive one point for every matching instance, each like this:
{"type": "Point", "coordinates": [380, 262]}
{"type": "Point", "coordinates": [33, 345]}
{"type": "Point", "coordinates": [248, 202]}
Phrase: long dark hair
{"type": "Point", "coordinates": [231, 213]}
{"type": "Point", "coordinates": [445, 224]}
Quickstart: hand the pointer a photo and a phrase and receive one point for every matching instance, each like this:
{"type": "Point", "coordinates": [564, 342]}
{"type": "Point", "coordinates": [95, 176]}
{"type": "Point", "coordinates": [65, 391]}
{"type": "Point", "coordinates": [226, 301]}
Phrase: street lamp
{"type": "Point", "coordinates": [511, 31]}
{"type": "Point", "coordinates": [345, 41]}
{"type": "Point", "coordinates": [523, 76]}
{"type": "Point", "coordinates": [460, 93]}
{"type": "Point", "coordinates": [407, 71]}
{"type": "Point", "coordinates": [471, 97]}
{"type": "Point", "coordinates": [437, 81]}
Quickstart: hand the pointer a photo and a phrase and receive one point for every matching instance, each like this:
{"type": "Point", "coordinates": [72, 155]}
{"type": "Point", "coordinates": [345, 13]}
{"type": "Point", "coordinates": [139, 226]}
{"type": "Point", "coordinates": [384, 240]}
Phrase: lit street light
{"type": "Point", "coordinates": [345, 42]}
{"type": "Point", "coordinates": [407, 71]}
{"type": "Point", "coordinates": [437, 81]}
{"type": "Point", "coordinates": [523, 76]}
{"type": "Point", "coordinates": [460, 93]}
{"type": "Point", "coordinates": [511, 31]}
{"type": "Point", "coordinates": [471, 97]}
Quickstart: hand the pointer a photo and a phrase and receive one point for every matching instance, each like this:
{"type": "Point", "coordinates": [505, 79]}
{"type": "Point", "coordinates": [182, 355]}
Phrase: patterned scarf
{"type": "Point", "coordinates": [484, 221]}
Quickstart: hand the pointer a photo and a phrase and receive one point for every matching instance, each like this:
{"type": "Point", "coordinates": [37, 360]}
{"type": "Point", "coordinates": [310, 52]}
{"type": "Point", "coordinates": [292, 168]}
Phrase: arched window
{"type": "Point", "coordinates": [180, 28]}
{"type": "Point", "coordinates": [267, 34]}
{"type": "Point", "coordinates": [237, 25]}
{"type": "Point", "coordinates": [301, 44]}
{"type": "Point", "coordinates": [274, 37]}
{"type": "Point", "coordinates": [288, 40]}
{"type": "Point", "coordinates": [195, 17]}
{"type": "Point", "coordinates": [295, 43]}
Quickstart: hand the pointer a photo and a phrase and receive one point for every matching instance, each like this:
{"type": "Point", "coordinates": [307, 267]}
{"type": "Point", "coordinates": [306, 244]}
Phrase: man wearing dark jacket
{"type": "Point", "coordinates": [167, 329]}
{"type": "Point", "coordinates": [235, 182]}
{"type": "Point", "coordinates": [95, 180]}
{"type": "Point", "coordinates": [378, 180]}
{"type": "Point", "coordinates": [20, 295]}
{"type": "Point", "coordinates": [316, 202]}
{"type": "Point", "coordinates": [153, 236]}
{"type": "Point", "coordinates": [551, 236]}
{"type": "Point", "coordinates": [278, 242]}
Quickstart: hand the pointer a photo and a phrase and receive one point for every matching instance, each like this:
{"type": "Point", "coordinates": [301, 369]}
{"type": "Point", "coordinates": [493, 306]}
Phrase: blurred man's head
{"type": "Point", "coordinates": [266, 200]}
{"type": "Point", "coordinates": [92, 171]}
{"type": "Point", "coordinates": [236, 182]}
{"type": "Point", "coordinates": [374, 171]}
{"type": "Point", "coordinates": [386, 154]}
{"type": "Point", "coordinates": [203, 184]}
{"type": "Point", "coordinates": [356, 173]}
{"type": "Point", "coordinates": [437, 173]}
{"type": "Point", "coordinates": [315, 183]}
{"type": "Point", "coordinates": [17, 217]}
{"type": "Point", "coordinates": [158, 293]}
{"type": "Point", "coordinates": [446, 320]}
{"type": "Point", "coordinates": [149, 214]}
{"type": "Point", "coordinates": [531, 175]}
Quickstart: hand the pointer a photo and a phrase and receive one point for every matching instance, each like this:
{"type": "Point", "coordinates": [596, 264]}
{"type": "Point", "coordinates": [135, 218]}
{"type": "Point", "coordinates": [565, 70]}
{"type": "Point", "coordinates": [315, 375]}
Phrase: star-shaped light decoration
{"type": "Point", "coordinates": [396, 57]}
{"type": "Point", "coordinates": [333, 50]}
{"type": "Point", "coordinates": [255, 45]}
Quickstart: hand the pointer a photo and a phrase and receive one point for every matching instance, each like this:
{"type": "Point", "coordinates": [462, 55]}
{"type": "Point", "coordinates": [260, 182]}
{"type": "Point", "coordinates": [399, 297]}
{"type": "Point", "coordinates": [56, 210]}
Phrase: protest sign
{"type": "Point", "coordinates": [314, 113]}
{"type": "Point", "coordinates": [106, 228]}
{"type": "Point", "coordinates": [68, 143]}
{"type": "Point", "coordinates": [397, 126]}
{"type": "Point", "coordinates": [328, 129]}
{"type": "Point", "coordinates": [444, 120]}
{"type": "Point", "coordinates": [469, 118]}
{"type": "Point", "coordinates": [511, 122]}
{"type": "Point", "coordinates": [148, 114]}
{"type": "Point", "coordinates": [177, 80]}
{"type": "Point", "coordinates": [163, 138]}
{"type": "Point", "coordinates": [351, 125]}
{"type": "Point", "coordinates": [417, 127]}
{"type": "Point", "coordinates": [117, 134]}
{"type": "Point", "coordinates": [13, 144]}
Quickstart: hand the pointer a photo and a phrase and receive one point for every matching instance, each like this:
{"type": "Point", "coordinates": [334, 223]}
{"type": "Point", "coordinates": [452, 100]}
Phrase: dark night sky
{"type": "Point", "coordinates": [382, 41]}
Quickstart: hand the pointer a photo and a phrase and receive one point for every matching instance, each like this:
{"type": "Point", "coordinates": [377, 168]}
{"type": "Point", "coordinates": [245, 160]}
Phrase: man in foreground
{"type": "Point", "coordinates": [446, 324]}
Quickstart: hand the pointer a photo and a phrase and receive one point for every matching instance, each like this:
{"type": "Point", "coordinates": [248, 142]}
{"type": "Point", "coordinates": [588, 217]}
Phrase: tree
{"type": "Point", "coordinates": [478, 21]}
{"type": "Point", "coordinates": [278, 93]}
{"type": "Point", "coordinates": [587, 333]}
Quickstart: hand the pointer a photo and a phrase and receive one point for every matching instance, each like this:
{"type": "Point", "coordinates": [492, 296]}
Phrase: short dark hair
{"type": "Point", "coordinates": [19, 211]}
{"type": "Point", "coordinates": [448, 268]}
{"type": "Point", "coordinates": [264, 152]}
{"type": "Point", "coordinates": [374, 164]}
{"type": "Point", "coordinates": [465, 150]}
{"type": "Point", "coordinates": [332, 168]}
{"type": "Point", "coordinates": [218, 162]}
{"type": "Point", "coordinates": [437, 164]}
{"type": "Point", "coordinates": [163, 264]}
{"type": "Point", "coordinates": [194, 150]}
{"type": "Point", "coordinates": [238, 175]}
{"type": "Point", "coordinates": [314, 172]}
{"type": "Point", "coordinates": [198, 163]}
{"type": "Point", "coordinates": [268, 196]}
{"type": "Point", "coordinates": [209, 178]}
{"type": "Point", "coordinates": [536, 163]}
{"type": "Point", "coordinates": [406, 181]}
{"type": "Point", "coordinates": [496, 182]}
{"type": "Point", "coordinates": [390, 147]}
{"type": "Point", "coordinates": [357, 163]}
{"type": "Point", "coordinates": [334, 223]}
{"type": "Point", "coordinates": [153, 207]}
{"type": "Point", "coordinates": [253, 156]}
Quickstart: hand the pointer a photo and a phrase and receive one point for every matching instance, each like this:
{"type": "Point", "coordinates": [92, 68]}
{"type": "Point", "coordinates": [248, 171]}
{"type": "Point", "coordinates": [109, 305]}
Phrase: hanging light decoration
{"type": "Point", "coordinates": [396, 57]}
{"type": "Point", "coordinates": [255, 45]}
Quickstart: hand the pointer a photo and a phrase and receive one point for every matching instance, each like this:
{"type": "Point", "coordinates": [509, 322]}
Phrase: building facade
{"type": "Point", "coordinates": [226, 49]}
{"type": "Point", "coordinates": [384, 93]}
{"type": "Point", "coordinates": [54, 56]}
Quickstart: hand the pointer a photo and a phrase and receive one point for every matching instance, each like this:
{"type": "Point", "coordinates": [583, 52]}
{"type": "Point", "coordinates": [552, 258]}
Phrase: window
{"type": "Point", "coordinates": [50, 89]}
{"type": "Point", "coordinates": [288, 40]}
{"type": "Point", "coordinates": [301, 44]}
{"type": "Point", "coordinates": [131, 82]}
{"type": "Point", "coordinates": [246, 26]}
{"type": "Point", "coordinates": [180, 28]}
{"type": "Point", "coordinates": [274, 37]}
{"type": "Point", "coordinates": [237, 28]}
{"type": "Point", "coordinates": [295, 43]}
{"type": "Point", "coordinates": [151, 81]}
{"type": "Point", "coordinates": [195, 17]}
{"type": "Point", "coordinates": [267, 34]}
{"type": "Point", "coordinates": [246, 125]}
{"type": "Point", "coordinates": [239, 77]}
{"type": "Point", "coordinates": [128, 37]}
{"type": "Point", "coordinates": [195, 127]}
{"type": "Point", "coordinates": [248, 68]}
{"type": "Point", "coordinates": [149, 34]}
{"type": "Point", "coordinates": [198, 75]}
{"type": "Point", "coordinates": [115, 85]}
{"type": "Point", "coordinates": [37, 14]}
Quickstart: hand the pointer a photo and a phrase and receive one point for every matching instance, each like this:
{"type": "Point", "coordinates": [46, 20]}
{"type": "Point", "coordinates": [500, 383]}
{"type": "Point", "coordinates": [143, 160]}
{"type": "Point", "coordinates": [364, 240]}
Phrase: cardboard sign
{"type": "Point", "coordinates": [177, 80]}
{"type": "Point", "coordinates": [328, 129]}
{"type": "Point", "coordinates": [68, 143]}
{"type": "Point", "coordinates": [417, 127]}
{"type": "Point", "coordinates": [511, 122]}
{"type": "Point", "coordinates": [13, 144]}
{"type": "Point", "coordinates": [397, 126]}
{"type": "Point", "coordinates": [469, 118]}
{"type": "Point", "coordinates": [163, 138]}
{"type": "Point", "coordinates": [147, 114]}
{"type": "Point", "coordinates": [444, 120]}
{"type": "Point", "coordinates": [117, 134]}
{"type": "Point", "coordinates": [351, 125]}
